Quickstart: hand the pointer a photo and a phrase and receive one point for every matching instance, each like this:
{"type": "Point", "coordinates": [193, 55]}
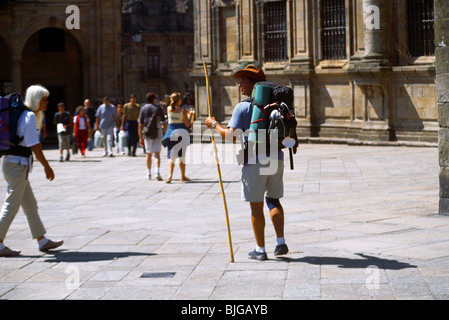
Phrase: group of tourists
{"type": "Point", "coordinates": [128, 126]}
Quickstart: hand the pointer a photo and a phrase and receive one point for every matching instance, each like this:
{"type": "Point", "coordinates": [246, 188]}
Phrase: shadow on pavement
{"type": "Point", "coordinates": [212, 181]}
{"type": "Point", "coordinates": [80, 256]}
{"type": "Point", "coordinates": [363, 263]}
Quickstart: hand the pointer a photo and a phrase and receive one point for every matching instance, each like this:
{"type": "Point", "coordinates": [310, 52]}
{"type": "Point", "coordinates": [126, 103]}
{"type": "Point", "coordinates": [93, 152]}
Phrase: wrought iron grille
{"type": "Point", "coordinates": [333, 29]}
{"type": "Point", "coordinates": [153, 62]}
{"type": "Point", "coordinates": [275, 31]}
{"type": "Point", "coordinates": [421, 28]}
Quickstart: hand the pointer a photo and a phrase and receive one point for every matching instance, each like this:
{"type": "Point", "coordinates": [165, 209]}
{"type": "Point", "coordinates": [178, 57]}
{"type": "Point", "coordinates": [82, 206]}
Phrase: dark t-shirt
{"type": "Point", "coordinates": [63, 118]}
{"type": "Point", "coordinates": [147, 111]}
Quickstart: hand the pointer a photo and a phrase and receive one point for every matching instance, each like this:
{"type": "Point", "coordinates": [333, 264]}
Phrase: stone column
{"type": "Point", "coordinates": [203, 52]}
{"type": "Point", "coordinates": [442, 83]}
{"type": "Point", "coordinates": [247, 37]}
{"type": "Point", "coordinates": [377, 15]}
{"type": "Point", "coordinates": [16, 75]}
{"type": "Point", "coordinates": [203, 40]}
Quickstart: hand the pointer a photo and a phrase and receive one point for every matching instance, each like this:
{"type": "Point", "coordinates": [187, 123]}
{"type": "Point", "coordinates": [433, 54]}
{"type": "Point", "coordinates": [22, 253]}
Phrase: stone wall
{"type": "Point", "coordinates": [442, 82]}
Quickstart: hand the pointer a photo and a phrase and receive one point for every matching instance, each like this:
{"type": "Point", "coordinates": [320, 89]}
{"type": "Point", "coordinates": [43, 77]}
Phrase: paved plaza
{"type": "Point", "coordinates": [361, 223]}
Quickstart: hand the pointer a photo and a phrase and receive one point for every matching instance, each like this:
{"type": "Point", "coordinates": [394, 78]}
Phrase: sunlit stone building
{"type": "Point", "coordinates": [361, 70]}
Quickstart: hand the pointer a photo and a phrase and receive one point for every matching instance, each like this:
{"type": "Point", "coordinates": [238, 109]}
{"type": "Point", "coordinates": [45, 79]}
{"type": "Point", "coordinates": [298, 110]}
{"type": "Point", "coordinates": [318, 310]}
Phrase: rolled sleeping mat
{"type": "Point", "coordinates": [259, 120]}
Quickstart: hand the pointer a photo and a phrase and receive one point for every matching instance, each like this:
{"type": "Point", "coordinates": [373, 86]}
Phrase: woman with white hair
{"type": "Point", "coordinates": [16, 168]}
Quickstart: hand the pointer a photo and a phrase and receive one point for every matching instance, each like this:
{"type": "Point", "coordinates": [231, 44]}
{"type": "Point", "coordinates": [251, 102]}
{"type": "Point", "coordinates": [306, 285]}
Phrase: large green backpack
{"type": "Point", "coordinates": [273, 110]}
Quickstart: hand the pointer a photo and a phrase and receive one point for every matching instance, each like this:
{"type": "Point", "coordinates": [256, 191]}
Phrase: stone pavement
{"type": "Point", "coordinates": [361, 223]}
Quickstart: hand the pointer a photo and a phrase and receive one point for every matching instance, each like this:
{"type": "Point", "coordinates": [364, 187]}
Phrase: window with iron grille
{"type": "Point", "coordinates": [275, 31]}
{"type": "Point", "coordinates": [333, 29]}
{"type": "Point", "coordinates": [421, 28]}
{"type": "Point", "coordinates": [153, 62]}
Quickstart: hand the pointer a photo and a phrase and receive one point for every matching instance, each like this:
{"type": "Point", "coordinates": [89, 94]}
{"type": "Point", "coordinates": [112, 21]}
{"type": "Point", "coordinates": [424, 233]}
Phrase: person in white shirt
{"type": "Point", "coordinates": [15, 171]}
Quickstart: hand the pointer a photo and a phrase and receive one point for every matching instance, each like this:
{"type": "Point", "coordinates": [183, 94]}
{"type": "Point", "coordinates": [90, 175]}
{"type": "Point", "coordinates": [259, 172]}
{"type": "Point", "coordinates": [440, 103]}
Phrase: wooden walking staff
{"type": "Point", "coordinates": [218, 167]}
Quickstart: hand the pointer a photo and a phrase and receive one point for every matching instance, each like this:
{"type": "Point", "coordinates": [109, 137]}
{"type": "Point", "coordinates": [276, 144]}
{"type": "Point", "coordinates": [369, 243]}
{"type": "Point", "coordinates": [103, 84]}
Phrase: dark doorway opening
{"type": "Point", "coordinates": [52, 57]}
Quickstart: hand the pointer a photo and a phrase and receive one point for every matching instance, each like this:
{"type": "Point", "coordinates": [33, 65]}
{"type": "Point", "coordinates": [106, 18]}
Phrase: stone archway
{"type": "Point", "coordinates": [53, 58]}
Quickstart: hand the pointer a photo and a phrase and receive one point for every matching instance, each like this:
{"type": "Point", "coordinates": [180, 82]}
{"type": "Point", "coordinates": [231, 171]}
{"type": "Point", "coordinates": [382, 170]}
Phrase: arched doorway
{"type": "Point", "coordinates": [52, 57]}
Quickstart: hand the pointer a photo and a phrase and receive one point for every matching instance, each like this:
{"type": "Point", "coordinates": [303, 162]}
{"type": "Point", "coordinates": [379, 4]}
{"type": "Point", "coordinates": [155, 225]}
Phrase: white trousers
{"type": "Point", "coordinates": [107, 136]}
{"type": "Point", "coordinates": [19, 193]}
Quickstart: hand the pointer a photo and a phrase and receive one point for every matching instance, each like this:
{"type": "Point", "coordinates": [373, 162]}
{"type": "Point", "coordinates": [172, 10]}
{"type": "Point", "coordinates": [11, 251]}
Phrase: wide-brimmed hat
{"type": "Point", "coordinates": [251, 71]}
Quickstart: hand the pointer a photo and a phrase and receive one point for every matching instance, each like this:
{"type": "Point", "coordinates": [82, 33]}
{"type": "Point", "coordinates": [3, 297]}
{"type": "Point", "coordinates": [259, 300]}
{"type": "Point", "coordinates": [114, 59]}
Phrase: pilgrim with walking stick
{"type": "Point", "coordinates": [258, 184]}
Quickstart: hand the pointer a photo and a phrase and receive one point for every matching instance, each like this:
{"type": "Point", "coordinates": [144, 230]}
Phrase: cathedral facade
{"type": "Point", "coordinates": [89, 49]}
{"type": "Point", "coordinates": [361, 70]}
{"type": "Point", "coordinates": [157, 47]}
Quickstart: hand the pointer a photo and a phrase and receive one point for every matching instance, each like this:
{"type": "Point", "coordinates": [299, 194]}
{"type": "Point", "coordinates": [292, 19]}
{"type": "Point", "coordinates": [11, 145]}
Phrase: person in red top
{"type": "Point", "coordinates": [81, 129]}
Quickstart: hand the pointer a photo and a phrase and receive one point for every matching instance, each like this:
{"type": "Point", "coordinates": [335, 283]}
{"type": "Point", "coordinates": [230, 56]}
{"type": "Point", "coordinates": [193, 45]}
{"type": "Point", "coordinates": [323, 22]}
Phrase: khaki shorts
{"type": "Point", "coordinates": [256, 183]}
{"type": "Point", "coordinates": [152, 145]}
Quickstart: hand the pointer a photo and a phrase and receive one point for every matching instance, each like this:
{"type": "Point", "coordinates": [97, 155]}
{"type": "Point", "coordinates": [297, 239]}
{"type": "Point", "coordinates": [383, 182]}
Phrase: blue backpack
{"type": "Point", "coordinates": [11, 108]}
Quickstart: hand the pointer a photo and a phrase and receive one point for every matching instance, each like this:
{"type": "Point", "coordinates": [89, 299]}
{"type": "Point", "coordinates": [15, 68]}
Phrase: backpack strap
{"type": "Point", "coordinates": [20, 151]}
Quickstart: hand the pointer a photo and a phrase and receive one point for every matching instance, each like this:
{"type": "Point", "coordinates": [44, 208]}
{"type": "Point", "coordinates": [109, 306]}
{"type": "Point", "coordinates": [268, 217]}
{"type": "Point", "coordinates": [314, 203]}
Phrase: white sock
{"type": "Point", "coordinates": [280, 241]}
{"type": "Point", "coordinates": [260, 249]}
{"type": "Point", "coordinates": [157, 171]}
{"type": "Point", "coordinates": [42, 242]}
{"type": "Point", "coordinates": [149, 172]}
{"type": "Point", "coordinates": [2, 246]}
